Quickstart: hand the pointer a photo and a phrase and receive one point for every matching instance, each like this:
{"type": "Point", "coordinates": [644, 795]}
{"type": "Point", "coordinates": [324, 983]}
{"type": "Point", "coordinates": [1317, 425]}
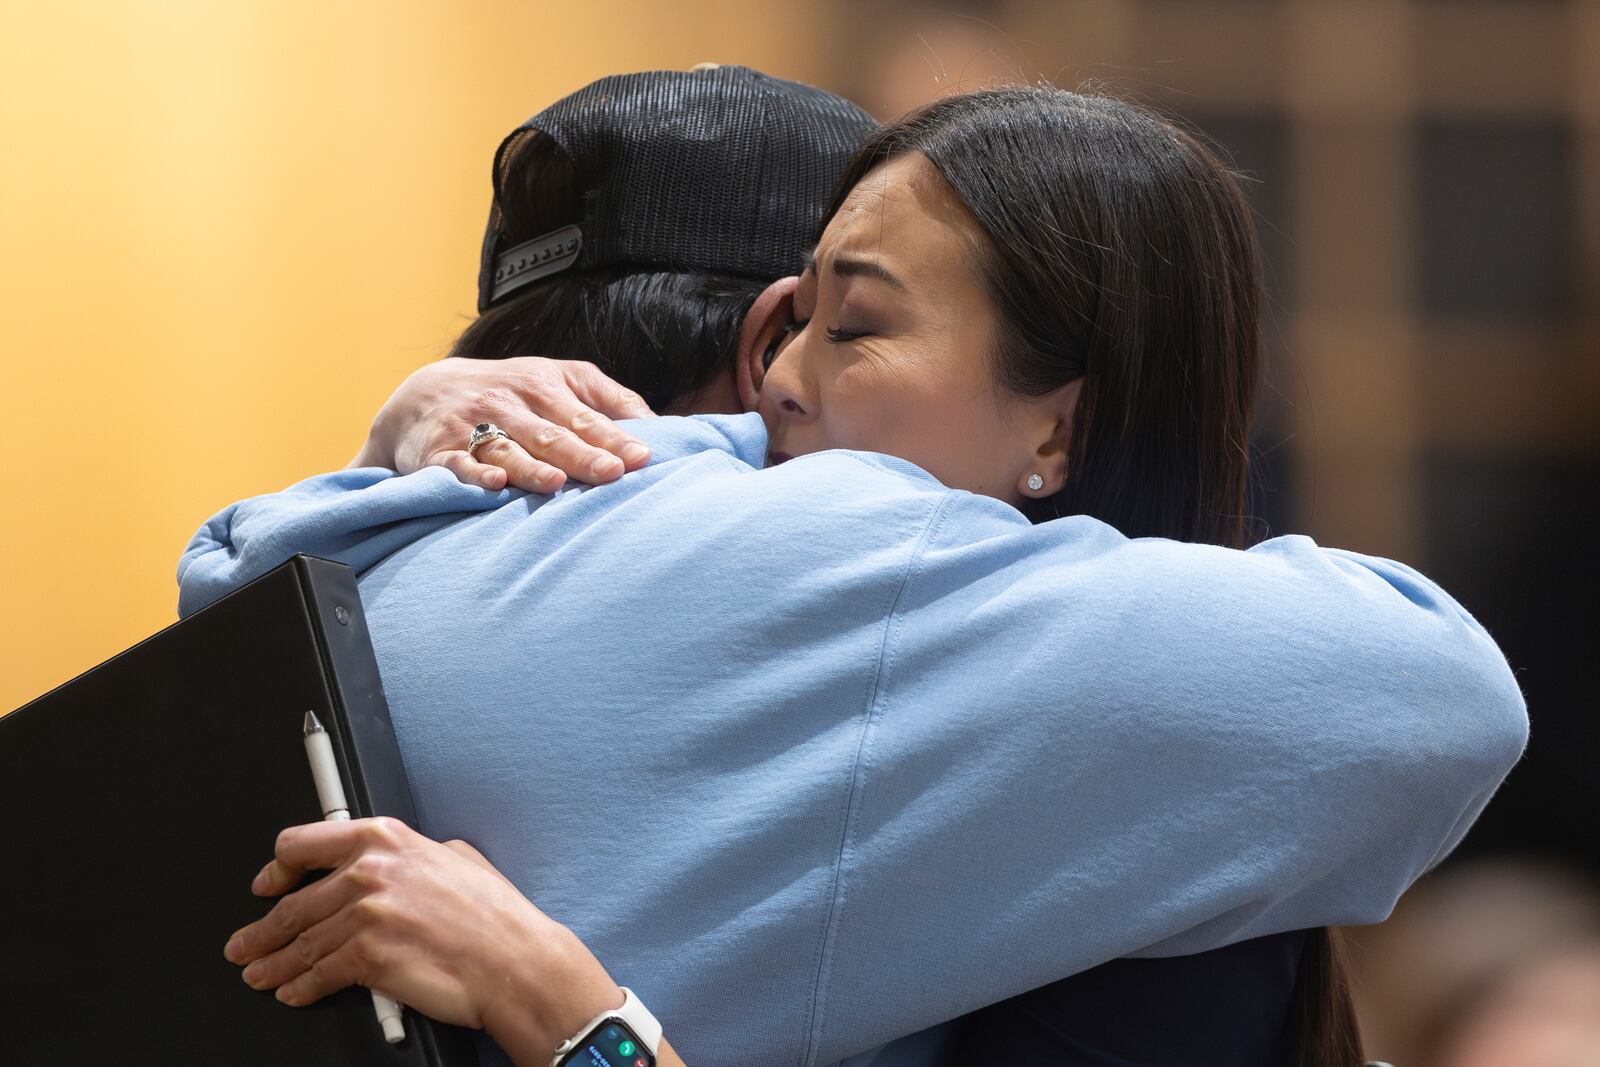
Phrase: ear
{"type": "Point", "coordinates": [1053, 416]}
{"type": "Point", "coordinates": [763, 327]}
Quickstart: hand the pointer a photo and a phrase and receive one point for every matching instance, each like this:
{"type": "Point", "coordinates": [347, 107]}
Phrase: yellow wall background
{"type": "Point", "coordinates": [229, 230]}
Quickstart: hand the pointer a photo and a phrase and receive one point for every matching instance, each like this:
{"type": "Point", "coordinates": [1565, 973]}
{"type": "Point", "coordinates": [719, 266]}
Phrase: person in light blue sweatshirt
{"type": "Point", "coordinates": [806, 729]}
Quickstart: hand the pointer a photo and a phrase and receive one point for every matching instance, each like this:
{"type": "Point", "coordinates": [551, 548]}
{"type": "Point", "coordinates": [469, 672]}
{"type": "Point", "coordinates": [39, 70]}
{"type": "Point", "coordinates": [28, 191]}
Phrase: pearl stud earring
{"type": "Point", "coordinates": [1035, 482]}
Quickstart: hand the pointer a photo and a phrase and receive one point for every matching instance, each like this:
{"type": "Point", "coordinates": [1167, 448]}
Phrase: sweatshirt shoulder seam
{"type": "Point", "coordinates": [875, 700]}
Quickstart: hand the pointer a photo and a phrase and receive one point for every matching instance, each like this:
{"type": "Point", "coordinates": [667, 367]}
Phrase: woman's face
{"type": "Point", "coordinates": [891, 351]}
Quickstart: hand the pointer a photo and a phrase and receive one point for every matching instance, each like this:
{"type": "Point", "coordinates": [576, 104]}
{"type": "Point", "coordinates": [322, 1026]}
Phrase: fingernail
{"type": "Point", "coordinates": [635, 453]}
{"type": "Point", "coordinates": [262, 879]}
{"type": "Point", "coordinates": [234, 950]}
{"type": "Point", "coordinates": [252, 973]}
{"type": "Point", "coordinates": [607, 467]}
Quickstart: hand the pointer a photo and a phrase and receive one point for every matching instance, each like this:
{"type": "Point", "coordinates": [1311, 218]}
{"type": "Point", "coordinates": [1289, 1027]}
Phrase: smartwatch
{"type": "Point", "coordinates": [628, 1036]}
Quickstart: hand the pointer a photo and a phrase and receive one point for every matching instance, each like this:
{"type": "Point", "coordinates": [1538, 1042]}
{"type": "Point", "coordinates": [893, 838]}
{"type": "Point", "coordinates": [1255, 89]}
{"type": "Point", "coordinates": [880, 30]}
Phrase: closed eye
{"type": "Point", "coordinates": [778, 342]}
{"type": "Point", "coordinates": [836, 336]}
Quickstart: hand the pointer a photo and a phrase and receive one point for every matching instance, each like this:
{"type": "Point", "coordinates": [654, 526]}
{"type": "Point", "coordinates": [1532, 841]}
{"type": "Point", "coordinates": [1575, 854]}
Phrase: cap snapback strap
{"type": "Point", "coordinates": [541, 257]}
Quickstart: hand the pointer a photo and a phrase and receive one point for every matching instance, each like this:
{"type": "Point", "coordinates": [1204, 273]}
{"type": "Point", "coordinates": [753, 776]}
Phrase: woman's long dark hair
{"type": "Point", "coordinates": [1120, 250]}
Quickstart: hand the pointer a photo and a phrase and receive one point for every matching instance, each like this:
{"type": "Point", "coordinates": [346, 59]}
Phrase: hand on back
{"type": "Point", "coordinates": [558, 414]}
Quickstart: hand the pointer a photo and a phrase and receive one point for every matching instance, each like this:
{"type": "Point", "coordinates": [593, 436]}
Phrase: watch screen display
{"type": "Point", "coordinates": [611, 1044]}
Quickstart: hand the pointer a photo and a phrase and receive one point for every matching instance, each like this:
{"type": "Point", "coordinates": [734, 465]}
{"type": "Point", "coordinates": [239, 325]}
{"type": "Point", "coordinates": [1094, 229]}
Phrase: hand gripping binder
{"type": "Point", "coordinates": [138, 801]}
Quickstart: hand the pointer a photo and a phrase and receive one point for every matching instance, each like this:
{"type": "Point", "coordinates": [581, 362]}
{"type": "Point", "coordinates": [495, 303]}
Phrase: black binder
{"type": "Point", "coordinates": [138, 801]}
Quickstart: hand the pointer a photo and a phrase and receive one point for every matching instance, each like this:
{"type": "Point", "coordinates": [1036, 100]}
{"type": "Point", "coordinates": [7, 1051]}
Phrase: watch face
{"type": "Point", "coordinates": [611, 1044]}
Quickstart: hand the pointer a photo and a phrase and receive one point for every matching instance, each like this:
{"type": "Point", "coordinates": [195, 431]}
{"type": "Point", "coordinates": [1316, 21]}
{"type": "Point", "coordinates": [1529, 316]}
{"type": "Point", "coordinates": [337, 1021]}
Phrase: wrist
{"type": "Point", "coordinates": [548, 992]}
{"type": "Point", "coordinates": [366, 458]}
{"type": "Point", "coordinates": [375, 450]}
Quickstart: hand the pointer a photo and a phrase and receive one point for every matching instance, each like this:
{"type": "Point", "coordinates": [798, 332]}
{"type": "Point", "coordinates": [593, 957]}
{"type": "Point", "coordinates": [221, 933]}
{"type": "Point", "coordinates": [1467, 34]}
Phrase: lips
{"type": "Point", "coordinates": [775, 458]}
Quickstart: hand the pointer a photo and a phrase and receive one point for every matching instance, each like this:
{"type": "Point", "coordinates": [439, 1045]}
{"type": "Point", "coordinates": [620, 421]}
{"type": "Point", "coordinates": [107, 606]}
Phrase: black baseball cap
{"type": "Point", "coordinates": [721, 170]}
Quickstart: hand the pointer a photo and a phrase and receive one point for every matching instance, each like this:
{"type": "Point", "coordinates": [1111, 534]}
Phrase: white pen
{"type": "Point", "coordinates": [330, 795]}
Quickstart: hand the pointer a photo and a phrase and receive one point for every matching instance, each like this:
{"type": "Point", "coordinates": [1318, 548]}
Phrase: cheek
{"type": "Point", "coordinates": [869, 404]}
{"type": "Point", "coordinates": [940, 415]}
{"type": "Point", "coordinates": [890, 406]}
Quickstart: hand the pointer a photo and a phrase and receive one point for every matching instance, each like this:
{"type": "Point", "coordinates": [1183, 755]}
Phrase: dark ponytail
{"type": "Point", "coordinates": [1329, 1033]}
{"type": "Point", "coordinates": [1120, 250]}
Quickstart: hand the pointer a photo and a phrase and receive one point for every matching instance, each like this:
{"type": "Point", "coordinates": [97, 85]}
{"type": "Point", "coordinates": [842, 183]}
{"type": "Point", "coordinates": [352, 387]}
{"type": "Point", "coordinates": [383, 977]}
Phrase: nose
{"type": "Point", "coordinates": [784, 387]}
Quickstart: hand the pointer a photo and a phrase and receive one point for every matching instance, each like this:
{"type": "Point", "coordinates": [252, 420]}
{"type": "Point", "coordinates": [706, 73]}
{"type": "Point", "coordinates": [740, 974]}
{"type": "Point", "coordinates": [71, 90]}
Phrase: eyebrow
{"type": "Point", "coordinates": [846, 267]}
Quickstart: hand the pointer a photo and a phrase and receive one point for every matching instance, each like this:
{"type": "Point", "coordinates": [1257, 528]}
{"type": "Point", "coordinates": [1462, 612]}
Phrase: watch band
{"type": "Point", "coordinates": [633, 1014]}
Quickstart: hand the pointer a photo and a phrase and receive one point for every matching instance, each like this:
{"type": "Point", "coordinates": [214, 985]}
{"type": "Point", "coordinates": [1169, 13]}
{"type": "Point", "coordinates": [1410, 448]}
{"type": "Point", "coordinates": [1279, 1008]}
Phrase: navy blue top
{"type": "Point", "coordinates": [1230, 1007]}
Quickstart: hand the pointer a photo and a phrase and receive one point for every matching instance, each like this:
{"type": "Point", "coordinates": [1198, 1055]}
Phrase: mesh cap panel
{"type": "Point", "coordinates": [724, 171]}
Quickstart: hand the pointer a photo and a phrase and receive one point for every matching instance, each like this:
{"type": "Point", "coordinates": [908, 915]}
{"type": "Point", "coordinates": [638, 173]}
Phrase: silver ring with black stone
{"type": "Point", "coordinates": [484, 432]}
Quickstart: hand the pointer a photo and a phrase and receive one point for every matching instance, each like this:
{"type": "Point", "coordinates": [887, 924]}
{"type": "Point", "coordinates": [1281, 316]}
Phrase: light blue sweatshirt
{"type": "Point", "coordinates": [814, 757]}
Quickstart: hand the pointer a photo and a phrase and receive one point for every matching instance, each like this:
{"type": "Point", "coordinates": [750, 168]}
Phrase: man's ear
{"type": "Point", "coordinates": [763, 327]}
{"type": "Point", "coordinates": [1053, 417]}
